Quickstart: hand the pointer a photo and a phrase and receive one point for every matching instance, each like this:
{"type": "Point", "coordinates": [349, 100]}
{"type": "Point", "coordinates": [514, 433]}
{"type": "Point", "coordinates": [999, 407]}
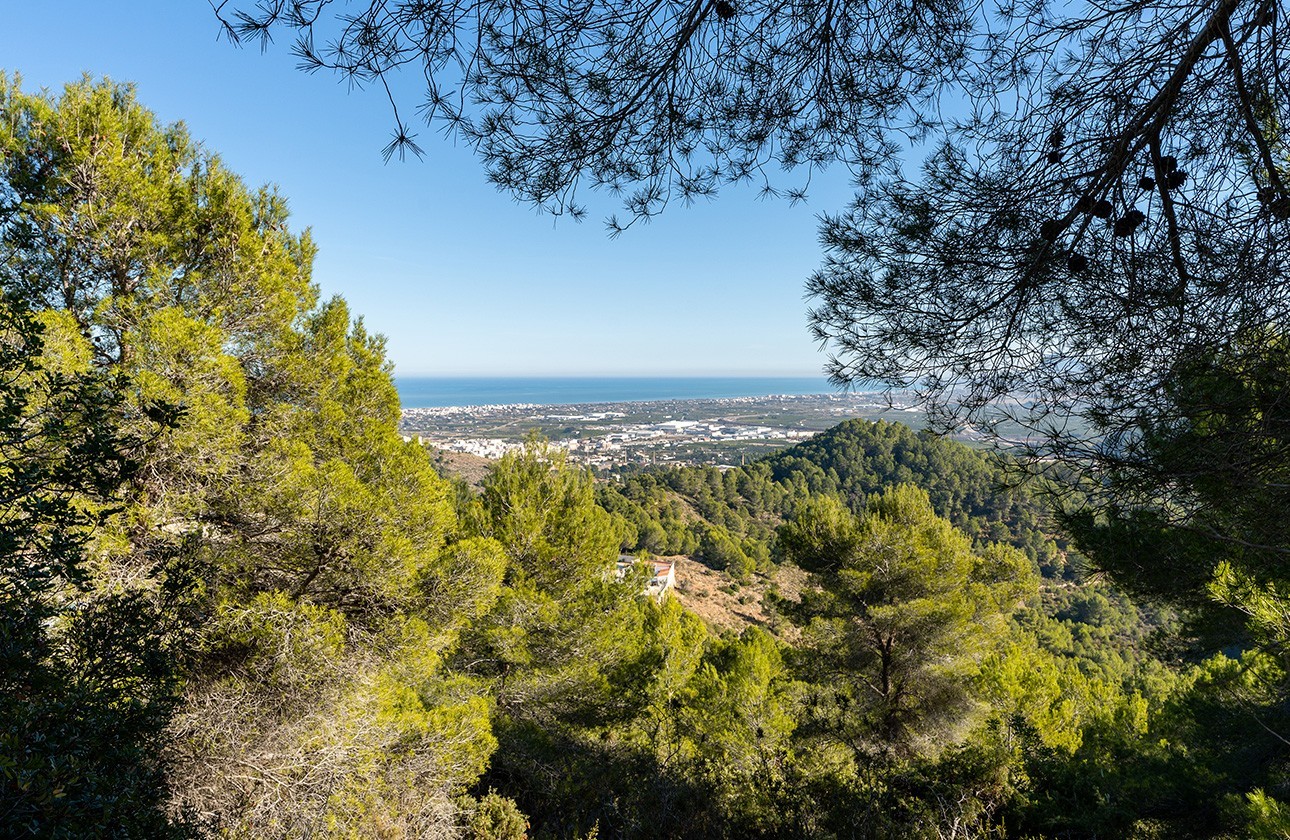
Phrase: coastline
{"type": "Point", "coordinates": [533, 392]}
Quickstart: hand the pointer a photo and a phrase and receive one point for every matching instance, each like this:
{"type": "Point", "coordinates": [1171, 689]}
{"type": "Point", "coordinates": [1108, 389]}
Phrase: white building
{"type": "Point", "coordinates": [662, 579]}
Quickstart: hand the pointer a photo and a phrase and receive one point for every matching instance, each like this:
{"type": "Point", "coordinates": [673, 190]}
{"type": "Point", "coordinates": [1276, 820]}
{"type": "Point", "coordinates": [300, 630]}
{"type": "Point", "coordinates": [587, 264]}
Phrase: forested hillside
{"type": "Point", "coordinates": [236, 603]}
{"type": "Point", "coordinates": [728, 517]}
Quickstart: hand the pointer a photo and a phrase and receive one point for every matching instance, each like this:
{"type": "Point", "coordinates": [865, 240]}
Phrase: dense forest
{"type": "Point", "coordinates": [235, 602]}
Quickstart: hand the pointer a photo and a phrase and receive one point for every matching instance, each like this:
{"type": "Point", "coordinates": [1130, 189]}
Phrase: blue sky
{"type": "Point", "coordinates": [460, 278]}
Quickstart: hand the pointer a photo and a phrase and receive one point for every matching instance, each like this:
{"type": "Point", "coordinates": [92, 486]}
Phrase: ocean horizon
{"type": "Point", "coordinates": [444, 391]}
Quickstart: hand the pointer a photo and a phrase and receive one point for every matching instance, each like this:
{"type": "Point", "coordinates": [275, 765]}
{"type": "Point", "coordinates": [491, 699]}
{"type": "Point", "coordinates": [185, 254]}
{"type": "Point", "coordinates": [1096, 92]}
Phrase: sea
{"type": "Point", "coordinates": [437, 392]}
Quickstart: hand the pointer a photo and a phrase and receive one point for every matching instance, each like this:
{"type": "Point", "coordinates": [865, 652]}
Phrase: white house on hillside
{"type": "Point", "coordinates": [663, 578]}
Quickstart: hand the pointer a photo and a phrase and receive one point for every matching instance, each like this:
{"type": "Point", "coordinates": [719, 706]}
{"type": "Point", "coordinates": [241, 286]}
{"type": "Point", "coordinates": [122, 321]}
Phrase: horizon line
{"type": "Point", "coordinates": [689, 375]}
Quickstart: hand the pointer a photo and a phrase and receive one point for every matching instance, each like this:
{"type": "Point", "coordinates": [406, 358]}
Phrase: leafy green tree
{"type": "Point", "coordinates": [901, 625]}
{"type": "Point", "coordinates": [315, 697]}
{"type": "Point", "coordinates": [591, 686]}
{"type": "Point", "coordinates": [822, 531]}
{"type": "Point", "coordinates": [497, 818]}
{"type": "Point", "coordinates": [543, 511]}
{"type": "Point", "coordinates": [88, 673]}
{"type": "Point", "coordinates": [719, 551]}
{"type": "Point", "coordinates": [1185, 515]}
{"type": "Point", "coordinates": [1263, 817]}
{"type": "Point", "coordinates": [561, 623]}
{"type": "Point", "coordinates": [1190, 493]}
{"type": "Point", "coordinates": [740, 715]}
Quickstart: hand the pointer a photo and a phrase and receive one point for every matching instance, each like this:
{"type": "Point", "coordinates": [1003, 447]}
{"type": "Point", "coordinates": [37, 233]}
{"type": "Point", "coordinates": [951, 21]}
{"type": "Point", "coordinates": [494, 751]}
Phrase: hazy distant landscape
{"type": "Point", "coordinates": [612, 435]}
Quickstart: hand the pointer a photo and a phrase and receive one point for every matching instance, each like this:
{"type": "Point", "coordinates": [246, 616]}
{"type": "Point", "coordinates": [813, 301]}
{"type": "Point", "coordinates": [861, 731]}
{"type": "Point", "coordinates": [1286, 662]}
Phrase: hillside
{"type": "Point", "coordinates": [720, 525]}
{"type": "Point", "coordinates": [738, 508]}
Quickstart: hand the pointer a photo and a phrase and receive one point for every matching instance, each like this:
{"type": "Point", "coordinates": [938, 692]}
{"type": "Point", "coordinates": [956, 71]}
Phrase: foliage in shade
{"type": "Point", "coordinates": [313, 692]}
{"type": "Point", "coordinates": [88, 674]}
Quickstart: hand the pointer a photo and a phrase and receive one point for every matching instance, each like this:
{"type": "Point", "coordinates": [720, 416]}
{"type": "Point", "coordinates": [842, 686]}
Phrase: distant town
{"type": "Point", "coordinates": [615, 436]}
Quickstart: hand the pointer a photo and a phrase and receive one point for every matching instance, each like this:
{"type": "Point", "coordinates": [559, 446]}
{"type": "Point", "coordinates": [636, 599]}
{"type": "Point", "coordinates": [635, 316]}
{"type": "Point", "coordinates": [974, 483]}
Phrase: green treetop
{"type": "Point", "coordinates": [905, 614]}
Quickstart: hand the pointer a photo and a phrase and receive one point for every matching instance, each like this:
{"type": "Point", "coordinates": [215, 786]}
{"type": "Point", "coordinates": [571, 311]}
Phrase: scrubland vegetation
{"type": "Point", "coordinates": [236, 603]}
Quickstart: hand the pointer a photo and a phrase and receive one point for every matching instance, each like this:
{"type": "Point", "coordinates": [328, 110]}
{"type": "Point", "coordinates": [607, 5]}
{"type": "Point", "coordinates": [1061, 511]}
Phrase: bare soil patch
{"type": "Point", "coordinates": [471, 468]}
{"type": "Point", "coordinates": [725, 605]}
